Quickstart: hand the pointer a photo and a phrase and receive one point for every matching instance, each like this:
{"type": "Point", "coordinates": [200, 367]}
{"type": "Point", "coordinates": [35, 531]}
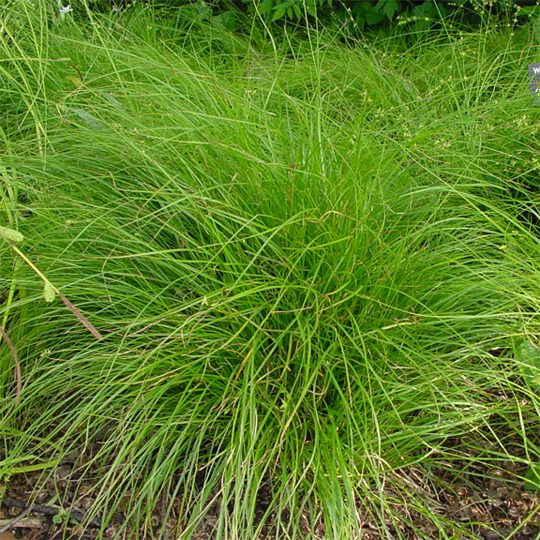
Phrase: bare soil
{"type": "Point", "coordinates": [483, 502]}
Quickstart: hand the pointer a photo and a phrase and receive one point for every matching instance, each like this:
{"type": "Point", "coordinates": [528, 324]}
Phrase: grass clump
{"type": "Point", "coordinates": [306, 278]}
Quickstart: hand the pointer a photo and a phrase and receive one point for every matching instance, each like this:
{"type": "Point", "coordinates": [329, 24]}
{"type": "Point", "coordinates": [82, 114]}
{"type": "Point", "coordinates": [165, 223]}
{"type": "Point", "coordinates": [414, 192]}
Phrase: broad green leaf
{"type": "Point", "coordinates": [532, 478]}
{"type": "Point", "coordinates": [203, 11]}
{"type": "Point", "coordinates": [227, 20]}
{"type": "Point", "coordinates": [265, 7]}
{"type": "Point", "coordinates": [279, 13]}
{"type": "Point", "coordinates": [388, 8]}
{"type": "Point", "coordinates": [528, 355]}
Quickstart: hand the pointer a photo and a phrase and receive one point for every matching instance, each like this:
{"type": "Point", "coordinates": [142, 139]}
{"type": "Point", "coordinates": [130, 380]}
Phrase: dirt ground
{"type": "Point", "coordinates": [486, 503]}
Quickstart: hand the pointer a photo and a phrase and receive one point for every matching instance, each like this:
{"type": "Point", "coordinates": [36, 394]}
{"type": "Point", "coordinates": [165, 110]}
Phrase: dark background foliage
{"type": "Point", "coordinates": [356, 15]}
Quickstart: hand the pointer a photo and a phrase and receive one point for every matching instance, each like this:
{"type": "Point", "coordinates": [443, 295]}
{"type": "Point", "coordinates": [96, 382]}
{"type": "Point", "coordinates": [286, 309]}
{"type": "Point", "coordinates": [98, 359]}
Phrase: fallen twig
{"type": "Point", "coordinates": [11, 523]}
{"type": "Point", "coordinates": [75, 515]}
{"type": "Point", "coordinates": [18, 377]}
{"type": "Point", "coordinates": [20, 522]}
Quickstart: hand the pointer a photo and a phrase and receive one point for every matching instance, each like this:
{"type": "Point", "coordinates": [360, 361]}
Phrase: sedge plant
{"type": "Point", "coordinates": [311, 264]}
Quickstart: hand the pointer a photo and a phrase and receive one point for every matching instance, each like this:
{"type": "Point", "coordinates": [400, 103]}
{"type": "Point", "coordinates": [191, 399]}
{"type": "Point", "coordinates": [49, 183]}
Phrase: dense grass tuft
{"type": "Point", "coordinates": [310, 264]}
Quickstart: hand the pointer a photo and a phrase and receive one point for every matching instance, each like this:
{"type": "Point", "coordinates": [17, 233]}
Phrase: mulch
{"type": "Point", "coordinates": [487, 503]}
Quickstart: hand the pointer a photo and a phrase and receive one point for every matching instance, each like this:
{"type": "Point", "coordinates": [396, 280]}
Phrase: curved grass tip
{"type": "Point", "coordinates": [10, 235]}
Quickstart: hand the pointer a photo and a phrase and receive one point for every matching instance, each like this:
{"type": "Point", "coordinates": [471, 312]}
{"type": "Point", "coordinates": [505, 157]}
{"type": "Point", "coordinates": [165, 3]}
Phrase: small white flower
{"type": "Point", "coordinates": [64, 10]}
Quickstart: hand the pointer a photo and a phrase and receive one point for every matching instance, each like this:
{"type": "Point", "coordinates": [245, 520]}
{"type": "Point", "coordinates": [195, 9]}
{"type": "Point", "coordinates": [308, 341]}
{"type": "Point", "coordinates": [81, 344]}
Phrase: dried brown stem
{"type": "Point", "coordinates": [18, 377]}
{"type": "Point", "coordinates": [82, 319]}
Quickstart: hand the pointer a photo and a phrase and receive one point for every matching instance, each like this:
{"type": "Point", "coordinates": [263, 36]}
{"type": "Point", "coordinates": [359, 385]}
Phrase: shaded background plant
{"type": "Point", "coordinates": [355, 16]}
